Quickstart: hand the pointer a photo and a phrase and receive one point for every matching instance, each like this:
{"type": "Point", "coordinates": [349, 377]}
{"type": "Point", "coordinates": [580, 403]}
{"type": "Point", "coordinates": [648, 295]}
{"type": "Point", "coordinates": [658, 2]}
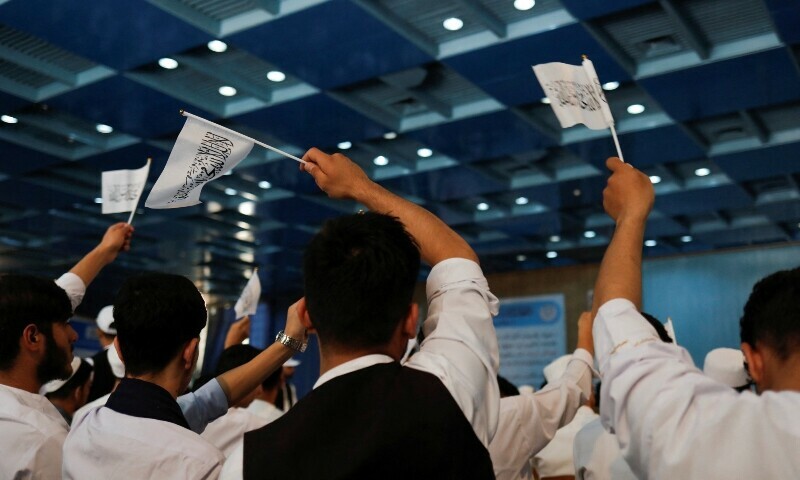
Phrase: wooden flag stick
{"type": "Point", "coordinates": [130, 219]}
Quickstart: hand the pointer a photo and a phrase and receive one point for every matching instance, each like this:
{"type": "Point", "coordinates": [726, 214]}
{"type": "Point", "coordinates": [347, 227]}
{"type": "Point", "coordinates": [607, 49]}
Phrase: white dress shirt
{"type": "Point", "coordinates": [228, 431]}
{"type": "Point", "coordinates": [555, 459]}
{"type": "Point", "coordinates": [234, 464]}
{"type": "Point", "coordinates": [671, 421]}
{"type": "Point", "coordinates": [74, 286]}
{"type": "Point", "coordinates": [528, 422]}
{"type": "Point", "coordinates": [31, 435]}
{"type": "Point", "coordinates": [265, 410]}
{"type": "Point", "coordinates": [597, 455]}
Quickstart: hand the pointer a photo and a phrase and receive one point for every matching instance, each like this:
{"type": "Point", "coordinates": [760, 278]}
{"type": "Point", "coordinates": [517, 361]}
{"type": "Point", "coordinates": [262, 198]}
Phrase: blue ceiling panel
{"type": "Point", "coordinates": [26, 194]}
{"type": "Point", "coordinates": [761, 163]}
{"type": "Point", "coordinates": [130, 158]}
{"type": "Point", "coordinates": [16, 159]}
{"type": "Point", "coordinates": [587, 9]}
{"type": "Point", "coordinates": [762, 78]}
{"type": "Point", "coordinates": [9, 103]}
{"type": "Point", "coordinates": [446, 184]}
{"type": "Point", "coordinates": [786, 15]}
{"type": "Point", "coordinates": [538, 225]}
{"type": "Point", "coordinates": [705, 200]}
{"type": "Point", "coordinates": [511, 79]}
{"type": "Point", "coordinates": [331, 45]}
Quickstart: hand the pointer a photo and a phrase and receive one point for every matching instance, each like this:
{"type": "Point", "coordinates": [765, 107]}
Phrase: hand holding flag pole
{"type": "Point", "coordinates": [136, 205]}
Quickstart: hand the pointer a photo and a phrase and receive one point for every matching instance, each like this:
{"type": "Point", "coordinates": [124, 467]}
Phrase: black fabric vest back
{"type": "Point", "coordinates": [104, 378]}
{"type": "Point", "coordinates": [384, 421]}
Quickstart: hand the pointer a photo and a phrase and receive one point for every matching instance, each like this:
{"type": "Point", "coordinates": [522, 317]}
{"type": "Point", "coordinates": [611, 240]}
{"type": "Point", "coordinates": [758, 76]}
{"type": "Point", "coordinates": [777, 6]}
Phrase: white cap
{"type": "Point", "coordinates": [526, 389]}
{"type": "Point", "coordinates": [555, 369]}
{"type": "Point", "coordinates": [726, 365]}
{"type": "Point", "coordinates": [54, 385]}
{"type": "Point", "coordinates": [105, 319]}
{"type": "Point", "coordinates": [117, 367]}
{"type": "Point", "coordinates": [291, 363]}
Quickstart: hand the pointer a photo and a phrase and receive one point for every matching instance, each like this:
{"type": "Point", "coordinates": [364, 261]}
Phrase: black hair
{"type": "Point", "coordinates": [772, 313]}
{"type": "Point", "coordinates": [507, 389]}
{"type": "Point", "coordinates": [26, 300]}
{"type": "Point", "coordinates": [360, 272]}
{"type": "Point", "coordinates": [273, 380]}
{"type": "Point", "coordinates": [155, 315]}
{"type": "Point", "coordinates": [661, 330]}
{"type": "Point", "coordinates": [235, 356]}
{"type": "Point", "coordinates": [76, 381]}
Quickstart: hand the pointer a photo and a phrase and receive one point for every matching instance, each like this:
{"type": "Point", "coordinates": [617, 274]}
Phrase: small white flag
{"type": "Point", "coordinates": [122, 189]}
{"type": "Point", "coordinates": [575, 94]}
{"type": "Point", "coordinates": [248, 301]}
{"type": "Point", "coordinates": [204, 151]}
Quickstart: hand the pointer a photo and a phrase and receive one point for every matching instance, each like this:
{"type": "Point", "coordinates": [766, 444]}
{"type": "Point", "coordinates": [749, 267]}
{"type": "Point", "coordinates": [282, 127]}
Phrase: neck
{"type": "Point", "coordinates": [333, 357]}
{"type": "Point", "coordinates": [269, 396]}
{"type": "Point", "coordinates": [785, 376]}
{"type": "Point", "coordinates": [64, 404]}
{"type": "Point", "coordinates": [21, 378]}
{"type": "Point", "coordinates": [168, 379]}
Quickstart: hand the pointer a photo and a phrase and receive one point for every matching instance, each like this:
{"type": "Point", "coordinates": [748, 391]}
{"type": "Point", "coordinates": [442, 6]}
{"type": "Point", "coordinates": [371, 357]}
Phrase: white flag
{"type": "Point", "coordinates": [204, 151]}
{"type": "Point", "coordinates": [575, 94]}
{"type": "Point", "coordinates": [248, 301]}
{"type": "Point", "coordinates": [122, 189]}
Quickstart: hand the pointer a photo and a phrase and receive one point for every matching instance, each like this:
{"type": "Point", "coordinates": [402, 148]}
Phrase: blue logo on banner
{"type": "Point", "coordinates": [540, 312]}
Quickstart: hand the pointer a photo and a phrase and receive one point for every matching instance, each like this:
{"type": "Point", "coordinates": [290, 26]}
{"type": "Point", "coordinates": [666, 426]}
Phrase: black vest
{"type": "Point", "coordinates": [384, 421]}
{"type": "Point", "coordinates": [104, 378]}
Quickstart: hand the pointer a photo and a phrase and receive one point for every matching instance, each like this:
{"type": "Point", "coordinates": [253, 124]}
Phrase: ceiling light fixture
{"type": "Point", "coordinates": [102, 128]}
{"type": "Point", "coordinates": [390, 135]}
{"type": "Point", "coordinates": [453, 24]}
{"type": "Point", "coordinates": [555, 238]}
{"type": "Point", "coordinates": [98, 200]}
{"type": "Point", "coordinates": [608, 86]}
{"type": "Point", "coordinates": [545, 100]}
{"type": "Point", "coordinates": [483, 206]}
{"type": "Point", "coordinates": [589, 234]}
{"type": "Point", "coordinates": [263, 184]}
{"type": "Point", "coordinates": [702, 172]}
{"type": "Point", "coordinates": [217, 46]}
{"type": "Point", "coordinates": [227, 91]}
{"type": "Point", "coordinates": [230, 191]}
{"type": "Point", "coordinates": [552, 254]}
{"type": "Point", "coordinates": [9, 119]}
{"type": "Point", "coordinates": [380, 161]}
{"type": "Point", "coordinates": [635, 109]}
{"type": "Point", "coordinates": [650, 243]}
{"type": "Point", "coordinates": [521, 201]}
{"type": "Point", "coordinates": [524, 5]}
{"type": "Point", "coordinates": [521, 258]}
{"type": "Point", "coordinates": [654, 179]}
{"type": "Point", "coordinates": [344, 145]}
{"type": "Point", "coordinates": [247, 208]}
{"type": "Point", "coordinates": [686, 238]}
{"type": "Point", "coordinates": [424, 152]}
{"type": "Point", "coordinates": [168, 63]}
{"type": "Point", "coordinates": [276, 76]}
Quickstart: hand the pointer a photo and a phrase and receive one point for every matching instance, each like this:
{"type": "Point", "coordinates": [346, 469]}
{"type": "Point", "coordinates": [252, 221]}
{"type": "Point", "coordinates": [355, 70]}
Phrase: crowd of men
{"type": "Point", "coordinates": [376, 411]}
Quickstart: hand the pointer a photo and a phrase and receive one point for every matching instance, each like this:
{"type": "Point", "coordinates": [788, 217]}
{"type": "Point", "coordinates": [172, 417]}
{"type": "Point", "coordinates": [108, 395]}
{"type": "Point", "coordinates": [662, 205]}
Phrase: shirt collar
{"type": "Point", "coordinates": [139, 398]}
{"type": "Point", "coordinates": [353, 365]}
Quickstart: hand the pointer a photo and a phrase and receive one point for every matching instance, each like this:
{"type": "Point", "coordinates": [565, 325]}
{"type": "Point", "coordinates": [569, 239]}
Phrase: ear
{"type": "Point", "coordinates": [32, 338]}
{"type": "Point", "coordinates": [189, 353]}
{"type": "Point", "coordinates": [755, 362]}
{"type": "Point", "coordinates": [119, 350]}
{"type": "Point", "coordinates": [410, 322]}
{"type": "Point", "coordinates": [305, 320]}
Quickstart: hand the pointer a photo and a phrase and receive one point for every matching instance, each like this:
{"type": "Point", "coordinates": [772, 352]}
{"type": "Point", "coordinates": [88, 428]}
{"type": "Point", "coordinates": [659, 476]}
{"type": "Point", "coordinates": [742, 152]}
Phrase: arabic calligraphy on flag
{"type": "Point", "coordinates": [574, 96]}
{"type": "Point", "coordinates": [122, 189]}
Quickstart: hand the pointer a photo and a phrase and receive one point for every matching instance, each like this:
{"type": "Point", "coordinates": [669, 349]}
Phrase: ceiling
{"type": "Point", "coordinates": [718, 79]}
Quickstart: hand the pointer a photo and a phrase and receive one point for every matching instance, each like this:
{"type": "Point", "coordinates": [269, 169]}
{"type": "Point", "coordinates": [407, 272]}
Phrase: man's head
{"type": "Point", "coordinates": [236, 356]}
{"type": "Point", "coordinates": [34, 328]}
{"type": "Point", "coordinates": [106, 329]}
{"type": "Point", "coordinates": [360, 271]}
{"type": "Point", "coordinates": [158, 318]}
{"type": "Point", "coordinates": [770, 331]}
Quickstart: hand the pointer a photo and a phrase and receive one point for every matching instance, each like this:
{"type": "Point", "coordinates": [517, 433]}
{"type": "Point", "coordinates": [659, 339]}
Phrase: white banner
{"type": "Point", "coordinates": [122, 189]}
{"type": "Point", "coordinates": [204, 151]}
{"type": "Point", "coordinates": [248, 301]}
{"type": "Point", "coordinates": [575, 94]}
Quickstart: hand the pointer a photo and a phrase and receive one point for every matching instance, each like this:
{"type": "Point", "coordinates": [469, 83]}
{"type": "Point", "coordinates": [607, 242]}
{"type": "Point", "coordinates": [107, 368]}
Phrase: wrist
{"type": "Point", "coordinates": [296, 343]}
{"type": "Point", "coordinates": [104, 254]}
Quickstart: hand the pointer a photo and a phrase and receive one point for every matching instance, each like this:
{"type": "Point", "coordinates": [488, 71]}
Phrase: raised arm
{"type": "Point", "coordinates": [339, 177]}
{"type": "Point", "coordinates": [116, 239]}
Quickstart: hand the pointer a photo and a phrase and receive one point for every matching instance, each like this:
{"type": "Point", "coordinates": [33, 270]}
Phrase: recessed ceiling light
{"type": "Point", "coordinates": [247, 208]}
{"type": "Point", "coordinates": [577, 192]}
{"type": "Point", "coordinates": [98, 200]}
{"type": "Point", "coordinates": [524, 4]}
{"type": "Point", "coordinates": [635, 109]}
{"type": "Point", "coordinates": [230, 191]}
{"type": "Point", "coordinates": [424, 152]}
{"type": "Point", "coordinates": [102, 128]}
{"type": "Point", "coordinates": [545, 100]}
{"type": "Point", "coordinates": [521, 258]}
{"type": "Point", "coordinates": [686, 238]}
{"type": "Point", "coordinates": [380, 161]}
{"type": "Point", "coordinates": [168, 63]}
{"type": "Point", "coordinates": [608, 86]}
{"type": "Point", "coordinates": [453, 24]}
{"type": "Point", "coordinates": [264, 184]}
{"type": "Point", "coordinates": [702, 172]}
{"type": "Point", "coordinates": [589, 234]}
{"type": "Point", "coordinates": [655, 179]}
{"type": "Point", "coordinates": [390, 135]}
{"type": "Point", "coordinates": [344, 145]}
{"type": "Point", "coordinates": [483, 206]}
{"type": "Point", "coordinates": [227, 91]}
{"type": "Point", "coordinates": [217, 46]}
{"type": "Point", "coordinates": [521, 201]}
{"type": "Point", "coordinates": [244, 236]}
{"type": "Point", "coordinates": [276, 76]}
{"type": "Point", "coordinates": [552, 254]}
{"type": "Point", "coordinates": [650, 243]}
{"type": "Point", "coordinates": [9, 119]}
{"type": "Point", "coordinates": [555, 238]}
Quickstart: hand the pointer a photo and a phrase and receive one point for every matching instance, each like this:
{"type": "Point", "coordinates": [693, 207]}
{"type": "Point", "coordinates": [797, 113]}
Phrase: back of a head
{"type": "Point", "coordinates": [661, 330]}
{"type": "Point", "coordinates": [360, 271]}
{"type": "Point", "coordinates": [25, 300]}
{"type": "Point", "coordinates": [772, 313]}
{"type": "Point", "coordinates": [235, 356]}
{"type": "Point", "coordinates": [155, 315]}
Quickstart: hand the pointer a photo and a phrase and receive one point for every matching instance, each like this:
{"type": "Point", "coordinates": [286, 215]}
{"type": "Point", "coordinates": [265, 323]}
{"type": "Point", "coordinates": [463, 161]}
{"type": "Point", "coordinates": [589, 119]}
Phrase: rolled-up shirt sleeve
{"type": "Point", "coordinates": [204, 406]}
{"type": "Point", "coordinates": [460, 346]}
{"type": "Point", "coordinates": [74, 286]}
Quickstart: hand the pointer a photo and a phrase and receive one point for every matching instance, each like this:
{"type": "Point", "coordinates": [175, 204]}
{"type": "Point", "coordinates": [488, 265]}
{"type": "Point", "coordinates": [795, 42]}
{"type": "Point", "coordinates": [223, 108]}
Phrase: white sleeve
{"type": "Point", "coordinates": [74, 286]}
{"type": "Point", "coordinates": [233, 469]}
{"type": "Point", "coordinates": [671, 421]}
{"type": "Point", "coordinates": [460, 346]}
{"type": "Point", "coordinates": [529, 421]}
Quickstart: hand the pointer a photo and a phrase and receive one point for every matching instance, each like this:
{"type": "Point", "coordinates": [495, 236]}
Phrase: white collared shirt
{"type": "Point", "coordinates": [556, 458]}
{"type": "Point", "coordinates": [74, 286]}
{"type": "Point", "coordinates": [597, 455]}
{"type": "Point", "coordinates": [671, 421]}
{"type": "Point", "coordinates": [265, 410]}
{"type": "Point", "coordinates": [228, 431]}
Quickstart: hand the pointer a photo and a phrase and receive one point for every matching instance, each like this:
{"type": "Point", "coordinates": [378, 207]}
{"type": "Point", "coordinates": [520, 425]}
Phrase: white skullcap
{"type": "Point", "coordinates": [54, 385]}
{"type": "Point", "coordinates": [291, 363]}
{"type": "Point", "coordinates": [104, 320]}
{"type": "Point", "coordinates": [526, 389]}
{"type": "Point", "coordinates": [555, 369]}
{"type": "Point", "coordinates": [117, 367]}
{"type": "Point", "coordinates": [726, 365]}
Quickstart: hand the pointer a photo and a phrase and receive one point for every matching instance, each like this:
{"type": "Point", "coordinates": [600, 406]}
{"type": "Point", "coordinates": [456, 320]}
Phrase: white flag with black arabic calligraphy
{"type": "Point", "coordinates": [122, 189]}
{"type": "Point", "coordinates": [248, 300]}
{"type": "Point", "coordinates": [204, 151]}
{"type": "Point", "coordinates": [574, 96]}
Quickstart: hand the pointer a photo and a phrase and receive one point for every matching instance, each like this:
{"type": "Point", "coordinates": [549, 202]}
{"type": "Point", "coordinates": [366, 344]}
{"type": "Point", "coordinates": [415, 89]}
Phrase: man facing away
{"type": "Point", "coordinates": [368, 416]}
{"type": "Point", "coordinates": [104, 379]}
{"type": "Point", "coordinates": [670, 420]}
{"type": "Point", "coordinates": [35, 348]}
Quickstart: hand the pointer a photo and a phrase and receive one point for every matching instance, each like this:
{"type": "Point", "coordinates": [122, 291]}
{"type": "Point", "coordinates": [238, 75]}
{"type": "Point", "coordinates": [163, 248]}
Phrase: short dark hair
{"type": "Point", "coordinates": [507, 389]}
{"type": "Point", "coordinates": [235, 356]}
{"type": "Point", "coordinates": [272, 381]}
{"type": "Point", "coordinates": [155, 315]}
{"type": "Point", "coordinates": [772, 313]}
{"type": "Point", "coordinates": [661, 330]}
{"type": "Point", "coordinates": [78, 379]}
{"type": "Point", "coordinates": [360, 271]}
{"type": "Point", "coordinates": [26, 300]}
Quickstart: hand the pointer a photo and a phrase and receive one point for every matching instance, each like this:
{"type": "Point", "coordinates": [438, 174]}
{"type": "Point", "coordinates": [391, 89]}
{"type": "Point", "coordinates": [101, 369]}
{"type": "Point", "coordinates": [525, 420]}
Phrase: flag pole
{"type": "Point", "coordinates": [592, 74]}
{"type": "Point", "coordinates": [260, 144]}
{"type": "Point", "coordinates": [130, 219]}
